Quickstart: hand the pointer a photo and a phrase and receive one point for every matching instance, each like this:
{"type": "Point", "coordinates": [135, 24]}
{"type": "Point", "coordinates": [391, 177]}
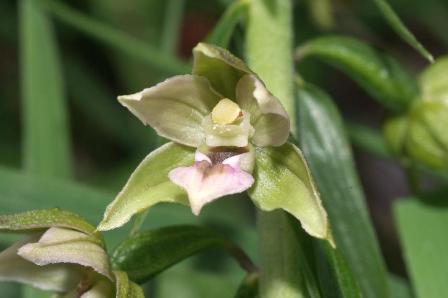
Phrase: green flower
{"type": "Point", "coordinates": [229, 134]}
{"type": "Point", "coordinates": [62, 253]}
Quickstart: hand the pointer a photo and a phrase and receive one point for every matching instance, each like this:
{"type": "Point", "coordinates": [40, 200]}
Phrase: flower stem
{"type": "Point", "coordinates": [269, 53]}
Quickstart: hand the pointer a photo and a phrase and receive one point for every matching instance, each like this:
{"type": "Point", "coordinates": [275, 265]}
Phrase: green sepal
{"type": "Point", "coordinates": [220, 67]}
{"type": "Point", "coordinates": [283, 181]}
{"type": "Point", "coordinates": [149, 185]}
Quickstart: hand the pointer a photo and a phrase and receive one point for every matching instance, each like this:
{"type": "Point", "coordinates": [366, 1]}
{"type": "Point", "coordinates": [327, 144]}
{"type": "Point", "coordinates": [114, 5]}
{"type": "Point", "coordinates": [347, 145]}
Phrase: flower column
{"type": "Point", "coordinates": [269, 51]}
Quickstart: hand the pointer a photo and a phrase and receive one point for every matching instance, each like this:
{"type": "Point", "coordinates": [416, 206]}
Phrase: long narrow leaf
{"type": "Point", "coordinates": [397, 25]}
{"type": "Point", "coordinates": [327, 150]}
{"type": "Point", "coordinates": [422, 229]}
{"type": "Point", "coordinates": [116, 39]}
{"type": "Point", "coordinates": [46, 133]}
{"type": "Point", "coordinates": [223, 30]}
{"type": "Point", "coordinates": [379, 74]}
{"type": "Point", "coordinates": [171, 28]}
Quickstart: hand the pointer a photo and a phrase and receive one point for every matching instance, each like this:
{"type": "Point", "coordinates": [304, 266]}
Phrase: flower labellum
{"type": "Point", "coordinates": [206, 181]}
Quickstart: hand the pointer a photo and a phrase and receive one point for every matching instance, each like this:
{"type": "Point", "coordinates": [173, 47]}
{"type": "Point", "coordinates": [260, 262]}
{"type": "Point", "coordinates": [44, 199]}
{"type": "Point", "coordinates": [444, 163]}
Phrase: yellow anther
{"type": "Point", "coordinates": [225, 112]}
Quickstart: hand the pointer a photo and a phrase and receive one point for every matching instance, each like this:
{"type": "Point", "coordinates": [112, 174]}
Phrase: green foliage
{"type": "Point", "coordinates": [222, 32]}
{"type": "Point", "coordinates": [144, 255]}
{"type": "Point", "coordinates": [379, 74]}
{"type": "Point", "coordinates": [395, 22]}
{"type": "Point", "coordinates": [327, 150]}
{"type": "Point", "coordinates": [46, 134]}
{"type": "Point", "coordinates": [42, 219]}
{"type": "Point", "coordinates": [422, 229]}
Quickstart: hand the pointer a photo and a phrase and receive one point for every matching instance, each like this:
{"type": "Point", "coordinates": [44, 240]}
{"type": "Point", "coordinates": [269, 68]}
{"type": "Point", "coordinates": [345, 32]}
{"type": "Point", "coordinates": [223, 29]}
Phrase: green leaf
{"type": "Point", "coordinates": [399, 287]}
{"type": "Point", "coordinates": [223, 30]}
{"type": "Point", "coordinates": [144, 255]}
{"type": "Point", "coordinates": [283, 181]}
{"type": "Point", "coordinates": [397, 25]}
{"type": "Point", "coordinates": [149, 185]}
{"type": "Point", "coordinates": [327, 150]}
{"type": "Point", "coordinates": [174, 10]}
{"type": "Point", "coordinates": [422, 230]}
{"type": "Point", "coordinates": [343, 276]}
{"type": "Point", "coordinates": [116, 39]}
{"type": "Point", "coordinates": [367, 139]}
{"type": "Point", "coordinates": [379, 74]}
{"type": "Point", "coordinates": [46, 135]}
{"type": "Point", "coordinates": [249, 287]}
{"type": "Point", "coordinates": [126, 288]}
{"type": "Point", "coordinates": [44, 218]}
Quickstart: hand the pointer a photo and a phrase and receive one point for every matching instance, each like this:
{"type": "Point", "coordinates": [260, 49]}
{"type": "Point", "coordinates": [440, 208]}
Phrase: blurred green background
{"type": "Point", "coordinates": [65, 140]}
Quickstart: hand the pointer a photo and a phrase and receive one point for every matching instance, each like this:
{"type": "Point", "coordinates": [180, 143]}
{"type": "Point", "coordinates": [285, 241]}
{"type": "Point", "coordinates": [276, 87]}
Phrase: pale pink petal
{"type": "Point", "coordinates": [205, 183]}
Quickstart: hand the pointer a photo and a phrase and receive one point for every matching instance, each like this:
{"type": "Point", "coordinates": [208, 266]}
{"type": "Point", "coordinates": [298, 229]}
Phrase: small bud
{"type": "Point", "coordinates": [225, 112]}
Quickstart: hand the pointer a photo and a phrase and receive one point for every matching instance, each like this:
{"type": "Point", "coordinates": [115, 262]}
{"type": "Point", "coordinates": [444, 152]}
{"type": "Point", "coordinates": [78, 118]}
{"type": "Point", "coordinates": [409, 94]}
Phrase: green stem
{"type": "Point", "coordinates": [269, 53]}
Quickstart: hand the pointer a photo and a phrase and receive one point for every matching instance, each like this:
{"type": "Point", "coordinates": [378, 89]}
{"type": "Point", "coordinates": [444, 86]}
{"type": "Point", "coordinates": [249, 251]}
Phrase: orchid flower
{"type": "Point", "coordinates": [63, 254]}
{"type": "Point", "coordinates": [229, 134]}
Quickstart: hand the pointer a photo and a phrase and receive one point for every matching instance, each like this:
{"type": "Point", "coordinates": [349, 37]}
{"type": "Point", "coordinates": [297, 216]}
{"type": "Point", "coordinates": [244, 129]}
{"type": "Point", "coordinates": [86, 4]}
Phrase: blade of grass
{"type": "Point", "coordinates": [399, 27]}
{"type": "Point", "coordinates": [223, 30]}
{"type": "Point", "coordinates": [116, 39]}
{"type": "Point", "coordinates": [46, 141]}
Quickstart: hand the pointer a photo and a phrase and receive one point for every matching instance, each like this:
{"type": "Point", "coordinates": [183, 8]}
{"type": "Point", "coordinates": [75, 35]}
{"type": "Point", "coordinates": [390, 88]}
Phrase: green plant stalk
{"type": "Point", "coordinates": [271, 58]}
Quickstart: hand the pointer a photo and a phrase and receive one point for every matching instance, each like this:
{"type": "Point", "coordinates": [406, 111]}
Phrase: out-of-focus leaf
{"type": "Point", "coordinates": [283, 181]}
{"type": "Point", "coordinates": [367, 139]}
{"type": "Point", "coordinates": [95, 101]}
{"type": "Point", "coordinates": [46, 134]}
{"type": "Point", "coordinates": [144, 255]}
{"type": "Point", "coordinates": [173, 18]}
{"type": "Point", "coordinates": [399, 288]}
{"type": "Point", "coordinates": [379, 74]}
{"type": "Point", "coordinates": [149, 185]}
{"type": "Point", "coordinates": [328, 153]}
{"type": "Point", "coordinates": [422, 230]}
{"type": "Point", "coordinates": [397, 25]}
{"type": "Point", "coordinates": [222, 32]}
{"type": "Point", "coordinates": [322, 13]}
{"type": "Point", "coordinates": [44, 218]}
{"type": "Point", "coordinates": [116, 39]}
{"type": "Point", "coordinates": [249, 287]}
